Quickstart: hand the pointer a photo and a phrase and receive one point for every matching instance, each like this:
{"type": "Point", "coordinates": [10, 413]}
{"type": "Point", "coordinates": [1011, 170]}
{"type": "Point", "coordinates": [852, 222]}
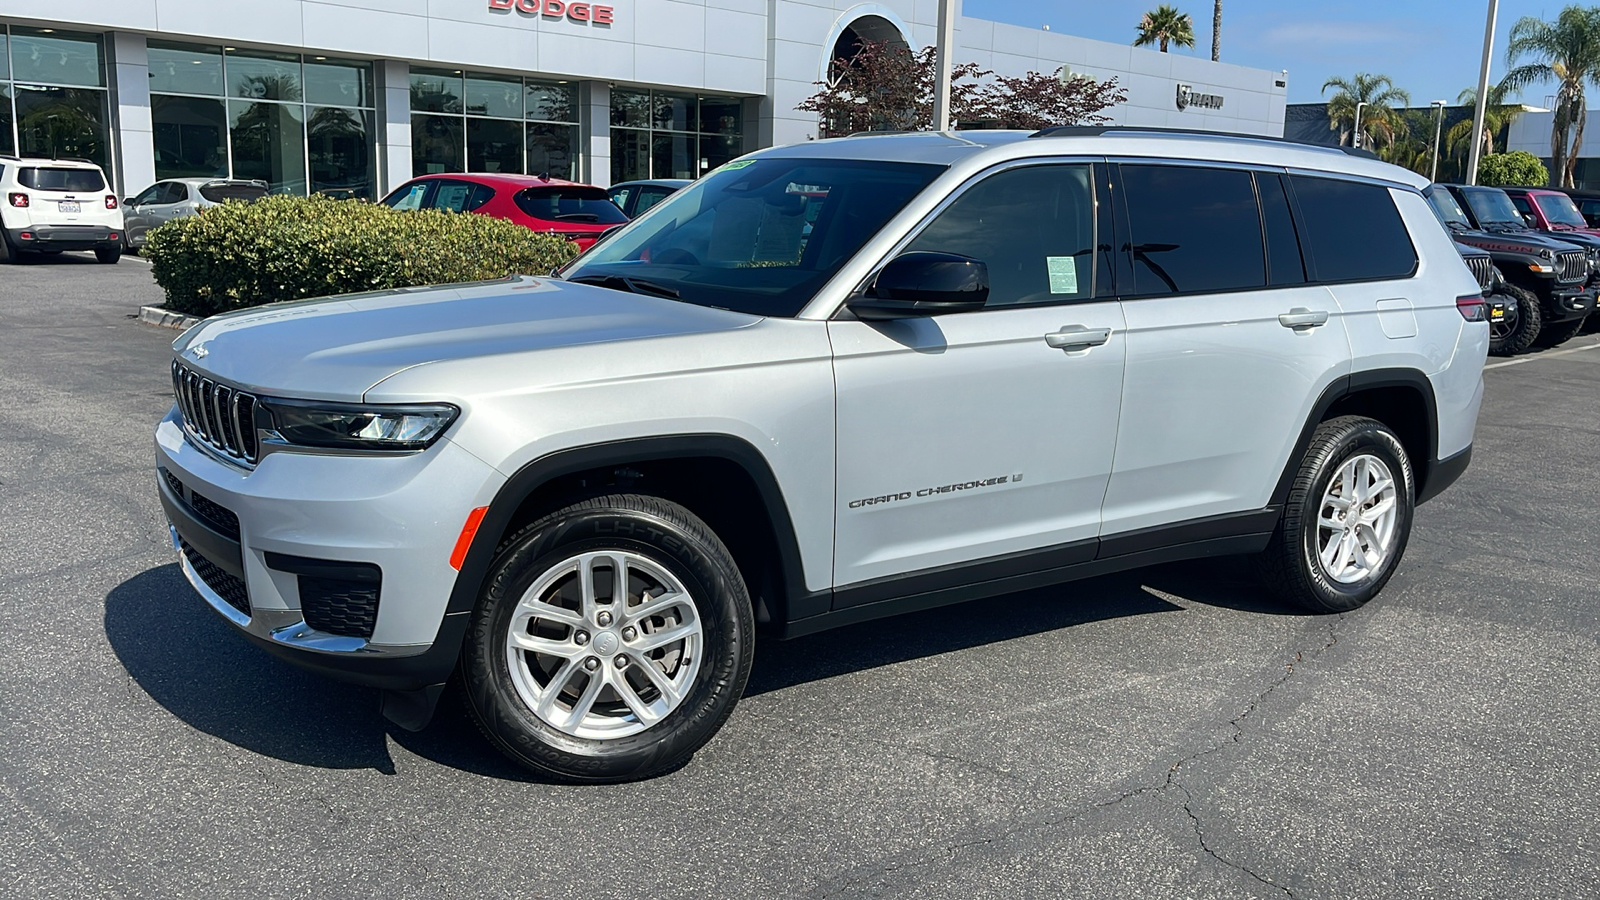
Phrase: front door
{"type": "Point", "coordinates": [976, 435]}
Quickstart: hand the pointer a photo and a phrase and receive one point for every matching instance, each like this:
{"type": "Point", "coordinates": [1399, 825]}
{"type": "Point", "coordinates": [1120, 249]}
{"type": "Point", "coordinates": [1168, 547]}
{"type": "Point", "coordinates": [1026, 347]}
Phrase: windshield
{"type": "Point", "coordinates": [1560, 209]}
{"type": "Point", "coordinates": [756, 236]}
{"type": "Point", "coordinates": [1447, 209]}
{"type": "Point", "coordinates": [80, 181]}
{"type": "Point", "coordinates": [1492, 207]}
{"type": "Point", "coordinates": [570, 203]}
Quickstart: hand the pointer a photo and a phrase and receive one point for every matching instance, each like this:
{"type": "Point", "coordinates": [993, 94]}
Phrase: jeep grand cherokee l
{"type": "Point", "coordinates": [826, 383]}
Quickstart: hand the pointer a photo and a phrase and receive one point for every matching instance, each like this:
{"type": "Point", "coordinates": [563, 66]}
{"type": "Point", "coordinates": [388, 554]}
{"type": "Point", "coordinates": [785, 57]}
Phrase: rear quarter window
{"type": "Point", "coordinates": [1352, 230]}
{"type": "Point", "coordinates": [79, 181]}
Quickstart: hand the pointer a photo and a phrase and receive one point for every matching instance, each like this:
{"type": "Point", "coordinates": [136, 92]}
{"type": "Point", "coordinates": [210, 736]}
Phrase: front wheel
{"type": "Point", "coordinates": [611, 641]}
{"type": "Point", "coordinates": [1561, 332]}
{"type": "Point", "coordinates": [1517, 334]}
{"type": "Point", "coordinates": [1347, 519]}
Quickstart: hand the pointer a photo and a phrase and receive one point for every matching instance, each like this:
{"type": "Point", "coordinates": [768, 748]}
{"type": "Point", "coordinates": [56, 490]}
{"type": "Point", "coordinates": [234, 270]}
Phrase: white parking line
{"type": "Point", "coordinates": [1551, 355]}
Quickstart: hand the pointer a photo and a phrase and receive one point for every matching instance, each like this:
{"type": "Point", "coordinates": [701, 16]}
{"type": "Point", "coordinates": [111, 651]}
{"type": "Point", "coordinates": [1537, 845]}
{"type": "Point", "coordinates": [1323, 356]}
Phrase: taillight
{"type": "Point", "coordinates": [20, 201]}
{"type": "Point", "coordinates": [111, 201]}
{"type": "Point", "coordinates": [1473, 308]}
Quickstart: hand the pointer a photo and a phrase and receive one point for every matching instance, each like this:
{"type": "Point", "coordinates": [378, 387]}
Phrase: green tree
{"type": "Point", "coordinates": [1497, 115]}
{"type": "Point", "coordinates": [1163, 25]}
{"type": "Point", "coordinates": [1566, 51]}
{"type": "Point", "coordinates": [1519, 168]}
{"type": "Point", "coordinates": [1381, 124]}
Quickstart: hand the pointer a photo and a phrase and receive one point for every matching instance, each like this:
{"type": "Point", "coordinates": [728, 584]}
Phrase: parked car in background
{"type": "Point", "coordinates": [1535, 264]}
{"type": "Point", "coordinates": [1550, 210]}
{"type": "Point", "coordinates": [1503, 305]}
{"type": "Point", "coordinates": [634, 198]}
{"type": "Point", "coordinates": [54, 205]}
{"type": "Point", "coordinates": [175, 198]}
{"type": "Point", "coordinates": [1588, 204]}
{"type": "Point", "coordinates": [577, 212]}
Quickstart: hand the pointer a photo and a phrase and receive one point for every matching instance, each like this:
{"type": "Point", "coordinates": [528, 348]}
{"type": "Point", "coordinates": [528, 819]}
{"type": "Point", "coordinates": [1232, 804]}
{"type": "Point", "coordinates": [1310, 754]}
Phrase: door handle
{"type": "Point", "coordinates": [1077, 337]}
{"type": "Point", "coordinates": [1300, 317]}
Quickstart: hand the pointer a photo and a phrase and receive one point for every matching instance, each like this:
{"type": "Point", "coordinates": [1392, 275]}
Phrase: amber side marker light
{"type": "Point", "coordinates": [468, 532]}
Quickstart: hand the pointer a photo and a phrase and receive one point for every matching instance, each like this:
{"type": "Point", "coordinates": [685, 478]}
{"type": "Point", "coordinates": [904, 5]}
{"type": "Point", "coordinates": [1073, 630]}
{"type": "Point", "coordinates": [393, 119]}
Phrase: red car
{"type": "Point", "coordinates": [1549, 210]}
{"type": "Point", "coordinates": [577, 212]}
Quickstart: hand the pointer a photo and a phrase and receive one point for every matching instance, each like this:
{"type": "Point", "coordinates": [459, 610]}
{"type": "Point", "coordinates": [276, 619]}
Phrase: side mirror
{"type": "Point", "coordinates": [128, 201]}
{"type": "Point", "coordinates": [923, 283]}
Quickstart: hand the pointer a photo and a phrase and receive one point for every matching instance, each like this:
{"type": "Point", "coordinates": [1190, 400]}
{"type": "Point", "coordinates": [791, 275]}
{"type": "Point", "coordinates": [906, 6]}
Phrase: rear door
{"type": "Point", "coordinates": [1228, 347]}
{"type": "Point", "coordinates": [987, 433]}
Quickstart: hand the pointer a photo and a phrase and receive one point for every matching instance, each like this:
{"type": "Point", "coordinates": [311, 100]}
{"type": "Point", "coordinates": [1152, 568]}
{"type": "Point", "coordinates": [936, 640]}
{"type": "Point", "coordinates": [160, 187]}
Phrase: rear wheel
{"type": "Point", "coordinates": [611, 641]}
{"type": "Point", "coordinates": [1347, 519]}
{"type": "Point", "coordinates": [1510, 338]}
{"type": "Point", "coordinates": [108, 255]}
{"type": "Point", "coordinates": [1561, 332]}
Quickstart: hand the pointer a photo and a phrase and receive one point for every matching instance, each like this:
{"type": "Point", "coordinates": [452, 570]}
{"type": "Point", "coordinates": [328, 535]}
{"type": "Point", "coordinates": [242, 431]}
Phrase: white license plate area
{"type": "Point", "coordinates": [70, 206]}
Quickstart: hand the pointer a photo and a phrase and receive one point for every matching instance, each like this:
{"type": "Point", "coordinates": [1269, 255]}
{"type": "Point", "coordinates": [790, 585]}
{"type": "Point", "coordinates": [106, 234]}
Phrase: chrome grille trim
{"type": "Point", "coordinates": [1572, 265]}
{"type": "Point", "coordinates": [1482, 269]}
{"type": "Point", "coordinates": [220, 418]}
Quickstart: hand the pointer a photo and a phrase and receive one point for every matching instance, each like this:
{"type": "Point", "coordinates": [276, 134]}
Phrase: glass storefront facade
{"type": "Point", "coordinates": [659, 134]}
{"type": "Point", "coordinates": [53, 97]}
{"type": "Point", "coordinates": [467, 122]}
{"type": "Point", "coordinates": [303, 124]}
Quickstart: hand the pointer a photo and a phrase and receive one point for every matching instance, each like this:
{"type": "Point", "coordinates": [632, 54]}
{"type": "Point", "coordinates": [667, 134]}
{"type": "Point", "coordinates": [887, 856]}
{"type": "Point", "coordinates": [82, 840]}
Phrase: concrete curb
{"type": "Point", "coordinates": [166, 318]}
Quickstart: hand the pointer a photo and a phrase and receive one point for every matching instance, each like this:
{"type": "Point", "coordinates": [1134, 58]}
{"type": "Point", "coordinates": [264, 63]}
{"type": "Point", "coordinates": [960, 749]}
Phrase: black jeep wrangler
{"type": "Point", "coordinates": [1549, 277]}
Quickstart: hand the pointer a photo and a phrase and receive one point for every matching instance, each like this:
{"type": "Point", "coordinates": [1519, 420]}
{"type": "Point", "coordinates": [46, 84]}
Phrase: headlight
{"type": "Point", "coordinates": [352, 426]}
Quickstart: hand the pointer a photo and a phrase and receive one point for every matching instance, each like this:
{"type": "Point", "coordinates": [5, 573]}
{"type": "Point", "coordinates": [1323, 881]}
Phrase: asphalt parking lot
{"type": "Point", "coordinates": [1163, 733]}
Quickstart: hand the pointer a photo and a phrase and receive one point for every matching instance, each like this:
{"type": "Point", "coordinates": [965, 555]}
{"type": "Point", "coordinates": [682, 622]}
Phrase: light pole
{"type": "Point", "coordinates": [1355, 139]}
{"type": "Point", "coordinates": [945, 44]}
{"type": "Point", "coordinates": [1438, 124]}
{"type": "Point", "coordinates": [1483, 96]}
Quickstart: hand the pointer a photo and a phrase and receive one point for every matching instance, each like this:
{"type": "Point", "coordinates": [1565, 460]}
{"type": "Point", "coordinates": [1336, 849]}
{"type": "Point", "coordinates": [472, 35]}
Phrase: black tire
{"type": "Point", "coordinates": [108, 255]}
{"type": "Point", "coordinates": [1559, 333]}
{"type": "Point", "coordinates": [1290, 564]}
{"type": "Point", "coordinates": [665, 535]}
{"type": "Point", "coordinates": [1519, 336]}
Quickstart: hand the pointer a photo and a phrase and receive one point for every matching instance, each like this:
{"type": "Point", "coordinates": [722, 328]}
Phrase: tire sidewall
{"type": "Point", "coordinates": [1367, 437]}
{"type": "Point", "coordinates": [718, 596]}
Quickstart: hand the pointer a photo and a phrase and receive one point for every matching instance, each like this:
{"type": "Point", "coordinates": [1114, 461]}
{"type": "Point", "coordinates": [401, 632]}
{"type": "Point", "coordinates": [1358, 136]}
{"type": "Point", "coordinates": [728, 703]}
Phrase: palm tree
{"type": "Point", "coordinates": [1380, 123]}
{"type": "Point", "coordinates": [1567, 52]}
{"type": "Point", "coordinates": [1497, 115]}
{"type": "Point", "coordinates": [1165, 24]}
{"type": "Point", "coordinates": [1216, 31]}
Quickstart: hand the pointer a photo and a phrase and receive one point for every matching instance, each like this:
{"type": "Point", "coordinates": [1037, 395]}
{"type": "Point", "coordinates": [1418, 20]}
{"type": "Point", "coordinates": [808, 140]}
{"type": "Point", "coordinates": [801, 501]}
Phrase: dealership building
{"type": "Point", "coordinates": [352, 97]}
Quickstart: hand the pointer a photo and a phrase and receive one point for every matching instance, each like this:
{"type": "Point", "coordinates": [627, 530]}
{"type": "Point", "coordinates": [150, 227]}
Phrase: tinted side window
{"type": "Point", "coordinates": [649, 197]}
{"type": "Point", "coordinates": [1034, 229]}
{"type": "Point", "coordinates": [1522, 204]}
{"type": "Point", "coordinates": [1284, 265]}
{"type": "Point", "coordinates": [175, 192]}
{"type": "Point", "coordinates": [1193, 230]}
{"type": "Point", "coordinates": [148, 196]}
{"type": "Point", "coordinates": [620, 198]}
{"type": "Point", "coordinates": [481, 194]}
{"type": "Point", "coordinates": [452, 196]}
{"type": "Point", "coordinates": [408, 197]}
{"type": "Point", "coordinates": [1353, 231]}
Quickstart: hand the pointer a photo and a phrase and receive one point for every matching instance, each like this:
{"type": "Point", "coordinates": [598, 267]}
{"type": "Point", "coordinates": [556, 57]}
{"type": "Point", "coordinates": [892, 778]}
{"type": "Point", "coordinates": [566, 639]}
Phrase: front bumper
{"type": "Point", "coordinates": [65, 237]}
{"type": "Point", "coordinates": [1569, 303]}
{"type": "Point", "coordinates": [245, 538]}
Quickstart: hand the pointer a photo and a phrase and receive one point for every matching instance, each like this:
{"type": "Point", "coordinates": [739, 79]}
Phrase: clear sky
{"type": "Point", "coordinates": [1430, 48]}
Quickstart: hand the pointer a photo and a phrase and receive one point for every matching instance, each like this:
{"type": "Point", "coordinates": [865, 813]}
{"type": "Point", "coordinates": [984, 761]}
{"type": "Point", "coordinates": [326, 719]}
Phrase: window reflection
{"type": "Point", "coordinates": [488, 123]}
{"type": "Point", "coordinates": [62, 122]}
{"type": "Point", "coordinates": [57, 58]}
{"type": "Point", "coordinates": [185, 69]}
{"type": "Point", "coordinates": [340, 145]}
{"type": "Point", "coordinates": [268, 141]}
{"type": "Point", "coordinates": [191, 137]}
{"type": "Point", "coordinates": [6, 122]}
{"type": "Point", "coordinates": [437, 144]}
{"type": "Point", "coordinates": [667, 135]}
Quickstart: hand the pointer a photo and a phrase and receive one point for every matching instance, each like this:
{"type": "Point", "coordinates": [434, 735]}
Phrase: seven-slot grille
{"type": "Point", "coordinates": [1483, 269]}
{"type": "Point", "coordinates": [218, 415]}
{"type": "Point", "coordinates": [1572, 265]}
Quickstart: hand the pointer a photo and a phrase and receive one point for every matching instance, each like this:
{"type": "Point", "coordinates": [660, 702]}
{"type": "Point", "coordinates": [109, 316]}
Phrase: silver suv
{"type": "Point", "coordinates": [826, 383]}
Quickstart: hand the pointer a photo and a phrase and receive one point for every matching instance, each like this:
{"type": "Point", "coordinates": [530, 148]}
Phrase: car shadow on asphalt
{"type": "Point", "coordinates": [194, 665]}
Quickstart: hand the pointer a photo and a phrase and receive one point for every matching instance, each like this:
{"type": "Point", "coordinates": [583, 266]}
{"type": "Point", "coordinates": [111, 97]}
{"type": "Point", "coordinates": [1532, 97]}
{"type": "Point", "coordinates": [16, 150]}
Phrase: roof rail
{"type": "Point", "coordinates": [1103, 130]}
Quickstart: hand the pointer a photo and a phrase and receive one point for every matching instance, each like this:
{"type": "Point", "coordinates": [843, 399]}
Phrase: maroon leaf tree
{"type": "Point", "coordinates": [886, 87]}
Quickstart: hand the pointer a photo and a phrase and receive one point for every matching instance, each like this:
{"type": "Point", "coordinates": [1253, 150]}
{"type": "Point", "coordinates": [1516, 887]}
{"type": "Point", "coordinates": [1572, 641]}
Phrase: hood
{"type": "Point", "coordinates": [337, 348]}
{"type": "Point", "coordinates": [1526, 241]}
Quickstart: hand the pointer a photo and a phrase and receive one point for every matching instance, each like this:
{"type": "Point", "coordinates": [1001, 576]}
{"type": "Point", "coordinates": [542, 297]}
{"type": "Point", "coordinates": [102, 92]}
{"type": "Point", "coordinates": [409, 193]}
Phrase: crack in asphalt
{"type": "Point", "coordinates": [1172, 780]}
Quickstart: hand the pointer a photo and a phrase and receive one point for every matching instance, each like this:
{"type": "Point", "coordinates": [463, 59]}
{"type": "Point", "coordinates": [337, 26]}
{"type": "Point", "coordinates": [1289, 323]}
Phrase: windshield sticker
{"type": "Point", "coordinates": [1063, 274]}
{"type": "Point", "coordinates": [736, 164]}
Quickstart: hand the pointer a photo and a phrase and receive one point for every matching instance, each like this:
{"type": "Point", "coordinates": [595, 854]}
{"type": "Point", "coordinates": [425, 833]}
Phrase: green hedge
{"type": "Point", "coordinates": [239, 255]}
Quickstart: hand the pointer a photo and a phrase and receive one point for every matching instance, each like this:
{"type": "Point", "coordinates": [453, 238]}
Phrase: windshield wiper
{"type": "Point", "coordinates": [626, 283]}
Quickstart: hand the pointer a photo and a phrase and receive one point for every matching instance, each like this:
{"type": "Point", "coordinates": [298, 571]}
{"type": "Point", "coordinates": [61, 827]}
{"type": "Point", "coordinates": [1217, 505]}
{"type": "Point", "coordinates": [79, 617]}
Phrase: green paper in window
{"type": "Point", "coordinates": [1063, 274]}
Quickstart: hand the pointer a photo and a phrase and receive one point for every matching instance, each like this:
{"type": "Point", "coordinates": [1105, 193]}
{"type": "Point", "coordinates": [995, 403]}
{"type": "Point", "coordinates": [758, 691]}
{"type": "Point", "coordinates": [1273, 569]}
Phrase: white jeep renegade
{"type": "Point", "coordinates": [826, 383]}
{"type": "Point", "coordinates": [51, 205]}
